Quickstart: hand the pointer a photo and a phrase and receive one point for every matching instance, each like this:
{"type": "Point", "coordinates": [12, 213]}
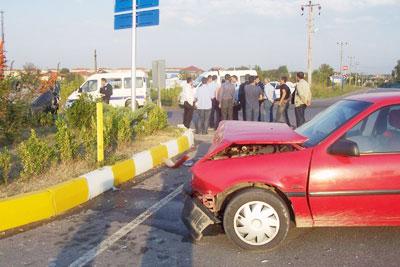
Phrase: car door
{"type": "Point", "coordinates": [364, 189]}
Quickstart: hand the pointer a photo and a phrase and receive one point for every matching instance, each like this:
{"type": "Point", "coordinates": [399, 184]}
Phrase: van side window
{"type": "Point", "coordinates": [89, 86]}
{"type": "Point", "coordinates": [116, 83]}
{"type": "Point", "coordinates": [127, 83]}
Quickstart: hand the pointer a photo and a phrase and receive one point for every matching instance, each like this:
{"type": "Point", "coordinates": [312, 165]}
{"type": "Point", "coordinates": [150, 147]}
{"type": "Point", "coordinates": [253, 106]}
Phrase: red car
{"type": "Point", "coordinates": [342, 168]}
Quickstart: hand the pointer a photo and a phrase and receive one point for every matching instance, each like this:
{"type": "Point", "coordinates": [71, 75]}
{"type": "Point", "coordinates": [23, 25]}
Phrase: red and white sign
{"type": "Point", "coordinates": [345, 67]}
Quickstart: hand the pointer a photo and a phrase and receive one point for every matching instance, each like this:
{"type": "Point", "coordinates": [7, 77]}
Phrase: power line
{"type": "Point", "coordinates": [310, 32]}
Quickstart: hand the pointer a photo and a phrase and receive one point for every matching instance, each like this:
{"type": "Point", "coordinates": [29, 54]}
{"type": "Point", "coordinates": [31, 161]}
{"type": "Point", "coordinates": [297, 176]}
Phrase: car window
{"type": "Point", "coordinates": [115, 83]}
{"type": "Point", "coordinates": [379, 132]}
{"type": "Point", "coordinates": [89, 86]}
{"type": "Point", "coordinates": [139, 83]}
{"type": "Point", "coordinates": [331, 119]}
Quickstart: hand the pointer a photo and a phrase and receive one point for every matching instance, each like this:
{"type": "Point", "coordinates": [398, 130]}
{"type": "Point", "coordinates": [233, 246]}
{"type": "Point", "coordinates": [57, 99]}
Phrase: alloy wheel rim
{"type": "Point", "coordinates": [256, 223]}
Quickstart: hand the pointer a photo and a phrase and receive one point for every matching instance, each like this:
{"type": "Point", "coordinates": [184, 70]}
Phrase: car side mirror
{"type": "Point", "coordinates": [344, 147]}
{"type": "Point", "coordinates": [80, 90]}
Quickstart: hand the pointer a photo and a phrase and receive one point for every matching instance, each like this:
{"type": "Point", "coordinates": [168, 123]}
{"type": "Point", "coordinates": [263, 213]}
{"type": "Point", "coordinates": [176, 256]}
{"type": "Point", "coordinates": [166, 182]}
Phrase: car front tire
{"type": "Point", "coordinates": [256, 219]}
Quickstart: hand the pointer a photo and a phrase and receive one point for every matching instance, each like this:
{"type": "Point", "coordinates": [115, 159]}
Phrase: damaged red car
{"type": "Point", "coordinates": [342, 168]}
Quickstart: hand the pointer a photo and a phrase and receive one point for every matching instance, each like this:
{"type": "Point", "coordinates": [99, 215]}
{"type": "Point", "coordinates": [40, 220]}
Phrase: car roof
{"type": "Point", "coordinates": [383, 98]}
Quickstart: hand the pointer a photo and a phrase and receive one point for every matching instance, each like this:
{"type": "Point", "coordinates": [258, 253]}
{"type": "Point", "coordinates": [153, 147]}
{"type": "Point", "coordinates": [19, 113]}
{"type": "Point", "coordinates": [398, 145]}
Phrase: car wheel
{"type": "Point", "coordinates": [256, 219]}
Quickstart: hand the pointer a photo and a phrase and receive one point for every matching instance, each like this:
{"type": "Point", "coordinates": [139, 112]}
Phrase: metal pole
{"type": "Point", "coordinates": [133, 74]}
{"type": "Point", "coordinates": [309, 49]}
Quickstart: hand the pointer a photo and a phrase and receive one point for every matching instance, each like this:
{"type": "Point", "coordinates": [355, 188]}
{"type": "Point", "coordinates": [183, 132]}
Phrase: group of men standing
{"type": "Point", "coordinates": [214, 102]}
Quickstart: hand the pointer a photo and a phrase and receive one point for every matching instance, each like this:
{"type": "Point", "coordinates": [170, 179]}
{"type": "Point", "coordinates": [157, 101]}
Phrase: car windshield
{"type": "Point", "coordinates": [329, 120]}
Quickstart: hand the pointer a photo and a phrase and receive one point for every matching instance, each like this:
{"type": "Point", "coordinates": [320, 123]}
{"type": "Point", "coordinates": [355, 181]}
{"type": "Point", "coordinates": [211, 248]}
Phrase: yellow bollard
{"type": "Point", "coordinates": [100, 140]}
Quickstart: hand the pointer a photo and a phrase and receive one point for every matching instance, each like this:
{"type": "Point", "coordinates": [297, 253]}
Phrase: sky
{"type": "Point", "coordinates": [205, 33]}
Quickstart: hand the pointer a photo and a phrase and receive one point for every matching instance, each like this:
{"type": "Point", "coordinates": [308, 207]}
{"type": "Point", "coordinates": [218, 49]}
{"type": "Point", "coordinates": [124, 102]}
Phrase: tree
{"type": "Point", "coordinates": [396, 71]}
{"type": "Point", "coordinates": [64, 71]}
{"type": "Point", "coordinates": [283, 71]}
{"type": "Point", "coordinates": [322, 74]}
{"type": "Point", "coordinates": [260, 73]}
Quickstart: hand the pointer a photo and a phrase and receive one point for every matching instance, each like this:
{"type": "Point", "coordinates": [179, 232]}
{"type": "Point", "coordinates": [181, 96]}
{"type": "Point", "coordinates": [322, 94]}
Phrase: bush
{"type": "Point", "coordinates": [88, 135]}
{"type": "Point", "coordinates": [5, 164]}
{"type": "Point", "coordinates": [13, 112]}
{"type": "Point", "coordinates": [169, 97]}
{"type": "Point", "coordinates": [70, 83]}
{"type": "Point", "coordinates": [82, 112]}
{"type": "Point", "coordinates": [43, 119]}
{"type": "Point", "coordinates": [65, 142]}
{"type": "Point", "coordinates": [35, 155]}
{"type": "Point", "coordinates": [156, 120]}
{"type": "Point", "coordinates": [125, 128]}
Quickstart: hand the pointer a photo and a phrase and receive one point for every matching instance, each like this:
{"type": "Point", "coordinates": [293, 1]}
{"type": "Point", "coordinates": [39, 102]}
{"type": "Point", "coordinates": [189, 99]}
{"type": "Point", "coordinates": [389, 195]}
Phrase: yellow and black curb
{"type": "Point", "coordinates": [33, 207]}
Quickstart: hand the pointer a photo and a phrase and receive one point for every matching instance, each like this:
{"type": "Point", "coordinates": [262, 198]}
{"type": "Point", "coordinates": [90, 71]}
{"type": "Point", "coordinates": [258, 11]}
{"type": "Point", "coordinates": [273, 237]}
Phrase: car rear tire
{"type": "Point", "coordinates": [256, 219]}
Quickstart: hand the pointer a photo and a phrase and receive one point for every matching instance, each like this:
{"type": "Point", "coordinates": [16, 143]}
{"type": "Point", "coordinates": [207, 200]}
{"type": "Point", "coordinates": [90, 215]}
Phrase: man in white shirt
{"type": "Point", "coordinates": [188, 102]}
{"type": "Point", "coordinates": [215, 116]}
{"type": "Point", "coordinates": [268, 104]}
{"type": "Point", "coordinates": [203, 96]}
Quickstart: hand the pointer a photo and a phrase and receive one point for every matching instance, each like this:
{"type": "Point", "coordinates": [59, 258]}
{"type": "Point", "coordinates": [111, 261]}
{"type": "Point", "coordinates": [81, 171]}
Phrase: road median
{"type": "Point", "coordinates": [33, 207]}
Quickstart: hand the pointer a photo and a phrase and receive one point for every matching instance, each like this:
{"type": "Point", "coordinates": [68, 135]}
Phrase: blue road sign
{"type": "Point", "coordinates": [126, 5]}
{"type": "Point", "coordinates": [143, 19]}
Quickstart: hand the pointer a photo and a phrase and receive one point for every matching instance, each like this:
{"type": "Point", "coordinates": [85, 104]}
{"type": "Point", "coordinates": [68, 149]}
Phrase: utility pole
{"type": "Point", "coordinates": [341, 44]}
{"type": "Point", "coordinates": [95, 61]}
{"type": "Point", "coordinates": [351, 60]}
{"type": "Point", "coordinates": [2, 26]}
{"type": "Point", "coordinates": [310, 32]}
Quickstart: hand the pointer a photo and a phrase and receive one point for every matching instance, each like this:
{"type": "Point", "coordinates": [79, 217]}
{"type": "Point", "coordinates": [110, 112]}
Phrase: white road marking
{"type": "Point", "coordinates": [107, 243]}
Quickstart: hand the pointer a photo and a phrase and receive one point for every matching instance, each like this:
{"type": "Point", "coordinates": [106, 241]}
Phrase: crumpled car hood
{"type": "Point", "coordinates": [245, 132]}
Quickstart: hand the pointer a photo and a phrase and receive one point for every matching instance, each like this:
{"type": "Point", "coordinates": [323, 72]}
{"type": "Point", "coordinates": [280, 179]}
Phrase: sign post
{"type": "Point", "coordinates": [133, 20]}
{"type": "Point", "coordinates": [133, 74]}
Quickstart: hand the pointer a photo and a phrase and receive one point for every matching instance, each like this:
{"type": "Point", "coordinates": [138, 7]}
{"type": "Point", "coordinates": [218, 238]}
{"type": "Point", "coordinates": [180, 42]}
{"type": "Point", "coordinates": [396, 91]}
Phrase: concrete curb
{"type": "Point", "coordinates": [33, 207]}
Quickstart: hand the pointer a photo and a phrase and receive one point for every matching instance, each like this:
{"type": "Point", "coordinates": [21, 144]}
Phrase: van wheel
{"type": "Point", "coordinates": [128, 103]}
{"type": "Point", "coordinates": [256, 219]}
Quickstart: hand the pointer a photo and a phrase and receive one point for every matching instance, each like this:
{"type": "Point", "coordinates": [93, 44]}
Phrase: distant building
{"type": "Point", "coordinates": [192, 71]}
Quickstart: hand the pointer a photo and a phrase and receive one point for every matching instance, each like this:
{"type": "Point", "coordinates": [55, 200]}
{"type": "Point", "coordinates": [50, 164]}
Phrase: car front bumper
{"type": "Point", "coordinates": [197, 217]}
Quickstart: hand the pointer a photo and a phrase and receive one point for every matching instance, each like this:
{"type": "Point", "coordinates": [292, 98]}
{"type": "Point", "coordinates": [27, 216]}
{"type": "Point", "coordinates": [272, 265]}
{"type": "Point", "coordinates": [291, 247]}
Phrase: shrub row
{"type": "Point", "coordinates": [169, 97]}
{"type": "Point", "coordinates": [76, 136]}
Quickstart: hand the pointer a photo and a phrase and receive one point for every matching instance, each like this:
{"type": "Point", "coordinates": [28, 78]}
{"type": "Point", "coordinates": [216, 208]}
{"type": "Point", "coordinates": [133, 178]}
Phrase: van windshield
{"type": "Point", "coordinates": [139, 83]}
{"type": "Point", "coordinates": [89, 86]}
{"type": "Point", "coordinates": [197, 81]}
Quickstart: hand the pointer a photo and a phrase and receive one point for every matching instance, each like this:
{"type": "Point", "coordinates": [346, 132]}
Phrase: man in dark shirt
{"type": "Point", "coordinates": [283, 104]}
{"type": "Point", "coordinates": [106, 90]}
{"type": "Point", "coordinates": [242, 95]}
{"type": "Point", "coordinates": [253, 93]}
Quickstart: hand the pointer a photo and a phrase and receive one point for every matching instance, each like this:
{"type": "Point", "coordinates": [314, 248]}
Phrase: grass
{"type": "Point", "coordinates": [321, 92]}
{"type": "Point", "coordinates": [61, 172]}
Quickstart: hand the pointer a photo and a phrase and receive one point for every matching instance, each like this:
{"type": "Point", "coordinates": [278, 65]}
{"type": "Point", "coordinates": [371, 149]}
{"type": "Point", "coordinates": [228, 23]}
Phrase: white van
{"type": "Point", "coordinates": [241, 74]}
{"type": "Point", "coordinates": [121, 83]}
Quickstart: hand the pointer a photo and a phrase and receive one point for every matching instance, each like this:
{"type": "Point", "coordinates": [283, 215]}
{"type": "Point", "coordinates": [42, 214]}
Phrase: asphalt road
{"type": "Point", "coordinates": [139, 225]}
